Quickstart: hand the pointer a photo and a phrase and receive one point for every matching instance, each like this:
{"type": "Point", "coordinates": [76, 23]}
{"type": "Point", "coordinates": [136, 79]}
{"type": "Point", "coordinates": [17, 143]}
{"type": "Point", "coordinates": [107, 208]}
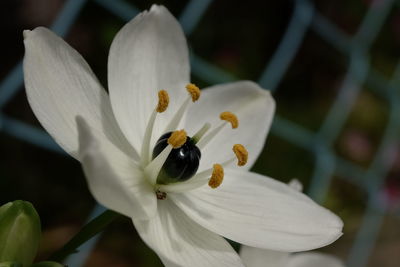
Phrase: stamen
{"type": "Point", "coordinates": [227, 117]}
{"type": "Point", "coordinates": [205, 175]}
{"type": "Point", "coordinates": [197, 181]}
{"type": "Point", "coordinates": [174, 123]}
{"type": "Point", "coordinates": [230, 117]}
{"type": "Point", "coordinates": [194, 95]}
{"type": "Point", "coordinates": [217, 176]}
{"type": "Point", "coordinates": [241, 154]}
{"type": "Point", "coordinates": [194, 91]}
{"type": "Point", "coordinates": [228, 162]}
{"type": "Point", "coordinates": [153, 169]}
{"type": "Point", "coordinates": [163, 101]}
{"type": "Point", "coordinates": [177, 139]}
{"type": "Point", "coordinates": [200, 133]}
{"type": "Point", "coordinates": [184, 186]}
{"type": "Point", "coordinates": [206, 139]}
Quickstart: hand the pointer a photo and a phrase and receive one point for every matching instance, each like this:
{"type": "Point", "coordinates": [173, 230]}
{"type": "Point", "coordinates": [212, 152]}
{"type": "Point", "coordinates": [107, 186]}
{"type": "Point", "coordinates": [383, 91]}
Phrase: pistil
{"type": "Point", "coordinates": [177, 139]}
{"type": "Point", "coordinates": [180, 154]}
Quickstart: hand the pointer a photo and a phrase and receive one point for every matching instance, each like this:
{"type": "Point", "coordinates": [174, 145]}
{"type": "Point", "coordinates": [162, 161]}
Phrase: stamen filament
{"type": "Point", "coordinates": [206, 139]}
{"type": "Point", "coordinates": [194, 95]}
{"type": "Point", "coordinates": [162, 105]}
{"type": "Point", "coordinates": [145, 152]}
{"type": "Point", "coordinates": [227, 117]}
{"type": "Point", "coordinates": [228, 162]}
{"type": "Point", "coordinates": [201, 178]}
{"type": "Point", "coordinates": [200, 133]}
{"type": "Point", "coordinates": [153, 169]}
{"type": "Point", "coordinates": [205, 175]}
{"type": "Point", "coordinates": [174, 123]}
{"type": "Point", "coordinates": [183, 187]}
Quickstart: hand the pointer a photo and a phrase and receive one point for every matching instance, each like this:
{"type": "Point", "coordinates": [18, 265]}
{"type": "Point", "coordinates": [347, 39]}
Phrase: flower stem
{"type": "Point", "coordinates": [88, 231]}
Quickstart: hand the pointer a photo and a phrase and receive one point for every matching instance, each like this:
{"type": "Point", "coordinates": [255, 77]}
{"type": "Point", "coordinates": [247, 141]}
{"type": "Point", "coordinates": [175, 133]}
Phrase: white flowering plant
{"type": "Point", "coordinates": [172, 157]}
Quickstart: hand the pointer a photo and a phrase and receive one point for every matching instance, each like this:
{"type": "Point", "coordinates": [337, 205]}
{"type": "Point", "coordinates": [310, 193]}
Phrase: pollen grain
{"type": "Point", "coordinates": [163, 101]}
{"type": "Point", "coordinates": [241, 154]}
{"type": "Point", "coordinates": [194, 91]}
{"type": "Point", "coordinates": [177, 138]}
{"type": "Point", "coordinates": [217, 176]}
{"type": "Point", "coordinates": [230, 117]}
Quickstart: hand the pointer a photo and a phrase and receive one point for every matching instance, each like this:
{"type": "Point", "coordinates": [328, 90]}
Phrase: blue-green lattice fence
{"type": "Point", "coordinates": [320, 143]}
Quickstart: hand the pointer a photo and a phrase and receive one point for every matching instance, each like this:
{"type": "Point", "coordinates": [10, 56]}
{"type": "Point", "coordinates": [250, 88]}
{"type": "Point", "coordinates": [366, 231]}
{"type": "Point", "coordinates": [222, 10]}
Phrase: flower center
{"type": "Point", "coordinates": [172, 163]}
{"type": "Point", "coordinates": [181, 164]}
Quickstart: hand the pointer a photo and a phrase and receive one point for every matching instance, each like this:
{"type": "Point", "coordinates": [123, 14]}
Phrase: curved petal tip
{"type": "Point", "coordinates": [26, 33]}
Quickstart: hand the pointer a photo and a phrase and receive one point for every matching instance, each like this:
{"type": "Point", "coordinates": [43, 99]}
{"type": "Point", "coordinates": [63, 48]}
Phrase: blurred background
{"type": "Point", "coordinates": [333, 67]}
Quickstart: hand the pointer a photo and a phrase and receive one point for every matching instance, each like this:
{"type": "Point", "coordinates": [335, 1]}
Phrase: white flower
{"type": "Point", "coordinates": [255, 257]}
{"type": "Point", "coordinates": [182, 221]}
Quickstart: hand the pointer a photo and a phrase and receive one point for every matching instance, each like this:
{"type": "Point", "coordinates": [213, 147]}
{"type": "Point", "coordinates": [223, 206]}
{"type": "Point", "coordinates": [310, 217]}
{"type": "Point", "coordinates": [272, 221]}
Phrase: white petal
{"type": "Point", "coordinates": [257, 257]}
{"type": "Point", "coordinates": [60, 86]}
{"type": "Point", "coordinates": [313, 259]}
{"type": "Point", "coordinates": [179, 241]}
{"type": "Point", "coordinates": [254, 108]}
{"type": "Point", "coordinates": [114, 179]}
{"type": "Point", "coordinates": [147, 55]}
{"type": "Point", "coordinates": [258, 211]}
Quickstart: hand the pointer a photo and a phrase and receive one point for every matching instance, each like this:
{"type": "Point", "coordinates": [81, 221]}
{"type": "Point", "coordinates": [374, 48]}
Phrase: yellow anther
{"type": "Point", "coordinates": [230, 117]}
{"type": "Point", "coordinates": [241, 154]}
{"type": "Point", "coordinates": [177, 138]}
{"type": "Point", "coordinates": [194, 91]}
{"type": "Point", "coordinates": [163, 101]}
{"type": "Point", "coordinates": [217, 176]}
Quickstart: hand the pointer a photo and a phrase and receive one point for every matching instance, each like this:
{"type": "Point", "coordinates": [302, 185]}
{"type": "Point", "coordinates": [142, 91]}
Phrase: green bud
{"type": "Point", "coordinates": [19, 233]}
{"type": "Point", "coordinates": [47, 264]}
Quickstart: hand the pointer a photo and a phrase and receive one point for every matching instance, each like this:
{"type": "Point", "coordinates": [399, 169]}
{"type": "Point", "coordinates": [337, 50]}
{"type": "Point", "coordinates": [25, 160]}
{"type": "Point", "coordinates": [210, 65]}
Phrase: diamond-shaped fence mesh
{"type": "Point", "coordinates": [360, 74]}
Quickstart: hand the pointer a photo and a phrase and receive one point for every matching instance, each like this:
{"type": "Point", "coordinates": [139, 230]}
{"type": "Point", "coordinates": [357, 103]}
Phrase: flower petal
{"type": "Point", "coordinates": [147, 55]}
{"type": "Point", "coordinates": [313, 259]}
{"type": "Point", "coordinates": [261, 212]}
{"type": "Point", "coordinates": [60, 86]}
{"type": "Point", "coordinates": [257, 257]}
{"type": "Point", "coordinates": [254, 108]}
{"type": "Point", "coordinates": [114, 179]}
{"type": "Point", "coordinates": [179, 241]}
